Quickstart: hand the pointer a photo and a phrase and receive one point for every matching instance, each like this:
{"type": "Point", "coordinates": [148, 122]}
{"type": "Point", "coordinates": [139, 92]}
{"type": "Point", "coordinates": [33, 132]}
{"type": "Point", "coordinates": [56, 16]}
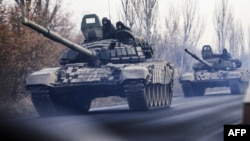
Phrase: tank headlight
{"type": "Point", "coordinates": [62, 73]}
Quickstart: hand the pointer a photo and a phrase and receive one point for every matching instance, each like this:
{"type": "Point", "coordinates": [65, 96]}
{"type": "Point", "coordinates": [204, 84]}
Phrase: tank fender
{"type": "Point", "coordinates": [134, 72]}
{"type": "Point", "coordinates": [47, 76]}
{"type": "Point", "coordinates": [186, 77]}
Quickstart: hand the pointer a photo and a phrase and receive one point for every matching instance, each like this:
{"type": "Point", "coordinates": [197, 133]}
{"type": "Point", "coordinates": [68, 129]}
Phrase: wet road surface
{"type": "Point", "coordinates": [188, 119]}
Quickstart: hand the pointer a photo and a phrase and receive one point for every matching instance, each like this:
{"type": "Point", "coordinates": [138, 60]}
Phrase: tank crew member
{"type": "Point", "coordinates": [225, 55]}
{"type": "Point", "coordinates": [125, 37]}
{"type": "Point", "coordinates": [121, 26]}
{"type": "Point", "coordinates": [108, 29]}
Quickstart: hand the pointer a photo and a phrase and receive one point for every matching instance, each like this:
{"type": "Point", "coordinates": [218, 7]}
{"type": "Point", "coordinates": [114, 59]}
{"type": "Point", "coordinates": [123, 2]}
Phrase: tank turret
{"type": "Point", "coordinates": [213, 62]}
{"type": "Point", "coordinates": [208, 65]}
{"type": "Point", "coordinates": [124, 48]}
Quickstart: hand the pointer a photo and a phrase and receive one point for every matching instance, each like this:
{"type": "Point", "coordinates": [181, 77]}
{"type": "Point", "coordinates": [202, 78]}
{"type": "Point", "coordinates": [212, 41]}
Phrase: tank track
{"type": "Point", "coordinates": [143, 97]}
{"type": "Point", "coordinates": [48, 105]}
{"type": "Point", "coordinates": [42, 101]}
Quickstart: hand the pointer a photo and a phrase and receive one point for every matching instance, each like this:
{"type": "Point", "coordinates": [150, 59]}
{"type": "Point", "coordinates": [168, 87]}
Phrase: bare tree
{"type": "Point", "coordinates": [248, 43]}
{"type": "Point", "coordinates": [23, 50]}
{"type": "Point", "coordinates": [129, 14]}
{"type": "Point", "coordinates": [180, 35]}
{"type": "Point", "coordinates": [193, 24]}
{"type": "Point", "coordinates": [193, 27]}
{"type": "Point", "coordinates": [236, 39]}
{"type": "Point", "coordinates": [241, 43]}
{"type": "Point", "coordinates": [222, 18]}
{"type": "Point", "coordinates": [146, 11]}
{"type": "Point", "coordinates": [170, 46]}
{"type": "Point", "coordinates": [246, 57]}
{"type": "Point", "coordinates": [230, 33]}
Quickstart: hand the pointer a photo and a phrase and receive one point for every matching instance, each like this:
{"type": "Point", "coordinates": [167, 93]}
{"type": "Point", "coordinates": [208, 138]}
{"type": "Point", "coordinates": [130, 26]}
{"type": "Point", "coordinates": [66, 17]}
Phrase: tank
{"type": "Point", "coordinates": [98, 68]}
{"type": "Point", "coordinates": [214, 70]}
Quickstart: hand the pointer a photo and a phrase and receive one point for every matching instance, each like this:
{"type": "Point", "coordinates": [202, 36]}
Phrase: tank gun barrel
{"type": "Point", "coordinates": [198, 59]}
{"type": "Point", "coordinates": [56, 37]}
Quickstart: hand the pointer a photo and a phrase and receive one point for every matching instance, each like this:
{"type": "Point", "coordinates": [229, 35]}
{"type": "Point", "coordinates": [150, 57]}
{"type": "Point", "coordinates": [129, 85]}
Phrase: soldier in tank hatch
{"type": "Point", "coordinates": [225, 54]}
{"type": "Point", "coordinates": [125, 37]}
{"type": "Point", "coordinates": [121, 26]}
{"type": "Point", "coordinates": [108, 29]}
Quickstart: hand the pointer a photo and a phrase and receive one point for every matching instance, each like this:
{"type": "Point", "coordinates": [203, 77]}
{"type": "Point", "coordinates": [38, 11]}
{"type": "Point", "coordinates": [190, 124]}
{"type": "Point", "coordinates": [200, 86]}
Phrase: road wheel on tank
{"type": "Point", "coordinates": [164, 95]}
{"type": "Point", "coordinates": [187, 89]}
{"type": "Point", "coordinates": [150, 95]}
{"type": "Point", "coordinates": [238, 87]}
{"type": "Point", "coordinates": [157, 95]}
{"type": "Point", "coordinates": [143, 97]}
{"type": "Point", "coordinates": [199, 90]}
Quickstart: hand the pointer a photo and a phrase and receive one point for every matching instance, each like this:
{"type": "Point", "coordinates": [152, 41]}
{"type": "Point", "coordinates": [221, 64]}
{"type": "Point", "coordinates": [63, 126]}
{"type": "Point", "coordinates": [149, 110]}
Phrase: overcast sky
{"type": "Point", "coordinates": [110, 8]}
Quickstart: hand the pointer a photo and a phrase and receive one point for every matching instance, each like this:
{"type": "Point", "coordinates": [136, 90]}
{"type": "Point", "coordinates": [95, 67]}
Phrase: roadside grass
{"type": "Point", "coordinates": [10, 108]}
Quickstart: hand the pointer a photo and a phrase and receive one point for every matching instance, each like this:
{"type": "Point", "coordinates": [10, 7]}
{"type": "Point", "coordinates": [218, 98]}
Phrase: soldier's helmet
{"type": "Point", "coordinates": [105, 20]}
{"type": "Point", "coordinates": [224, 50]}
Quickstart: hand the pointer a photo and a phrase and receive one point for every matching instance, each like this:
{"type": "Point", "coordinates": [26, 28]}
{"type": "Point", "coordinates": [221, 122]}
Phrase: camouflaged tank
{"type": "Point", "coordinates": [214, 70]}
{"type": "Point", "coordinates": [100, 68]}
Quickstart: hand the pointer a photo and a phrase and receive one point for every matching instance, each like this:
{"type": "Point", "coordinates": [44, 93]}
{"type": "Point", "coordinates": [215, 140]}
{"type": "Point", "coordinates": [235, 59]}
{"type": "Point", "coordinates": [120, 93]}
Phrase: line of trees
{"type": "Point", "coordinates": [22, 50]}
{"type": "Point", "coordinates": [183, 28]}
{"type": "Point", "coordinates": [229, 31]}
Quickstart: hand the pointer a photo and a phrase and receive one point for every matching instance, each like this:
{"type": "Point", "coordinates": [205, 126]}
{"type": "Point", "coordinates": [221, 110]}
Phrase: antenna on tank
{"type": "Point", "coordinates": [109, 9]}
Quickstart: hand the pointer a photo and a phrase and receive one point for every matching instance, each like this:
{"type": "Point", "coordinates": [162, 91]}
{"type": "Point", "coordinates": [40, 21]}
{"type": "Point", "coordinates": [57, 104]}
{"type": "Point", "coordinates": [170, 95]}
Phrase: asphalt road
{"type": "Point", "coordinates": [188, 119]}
